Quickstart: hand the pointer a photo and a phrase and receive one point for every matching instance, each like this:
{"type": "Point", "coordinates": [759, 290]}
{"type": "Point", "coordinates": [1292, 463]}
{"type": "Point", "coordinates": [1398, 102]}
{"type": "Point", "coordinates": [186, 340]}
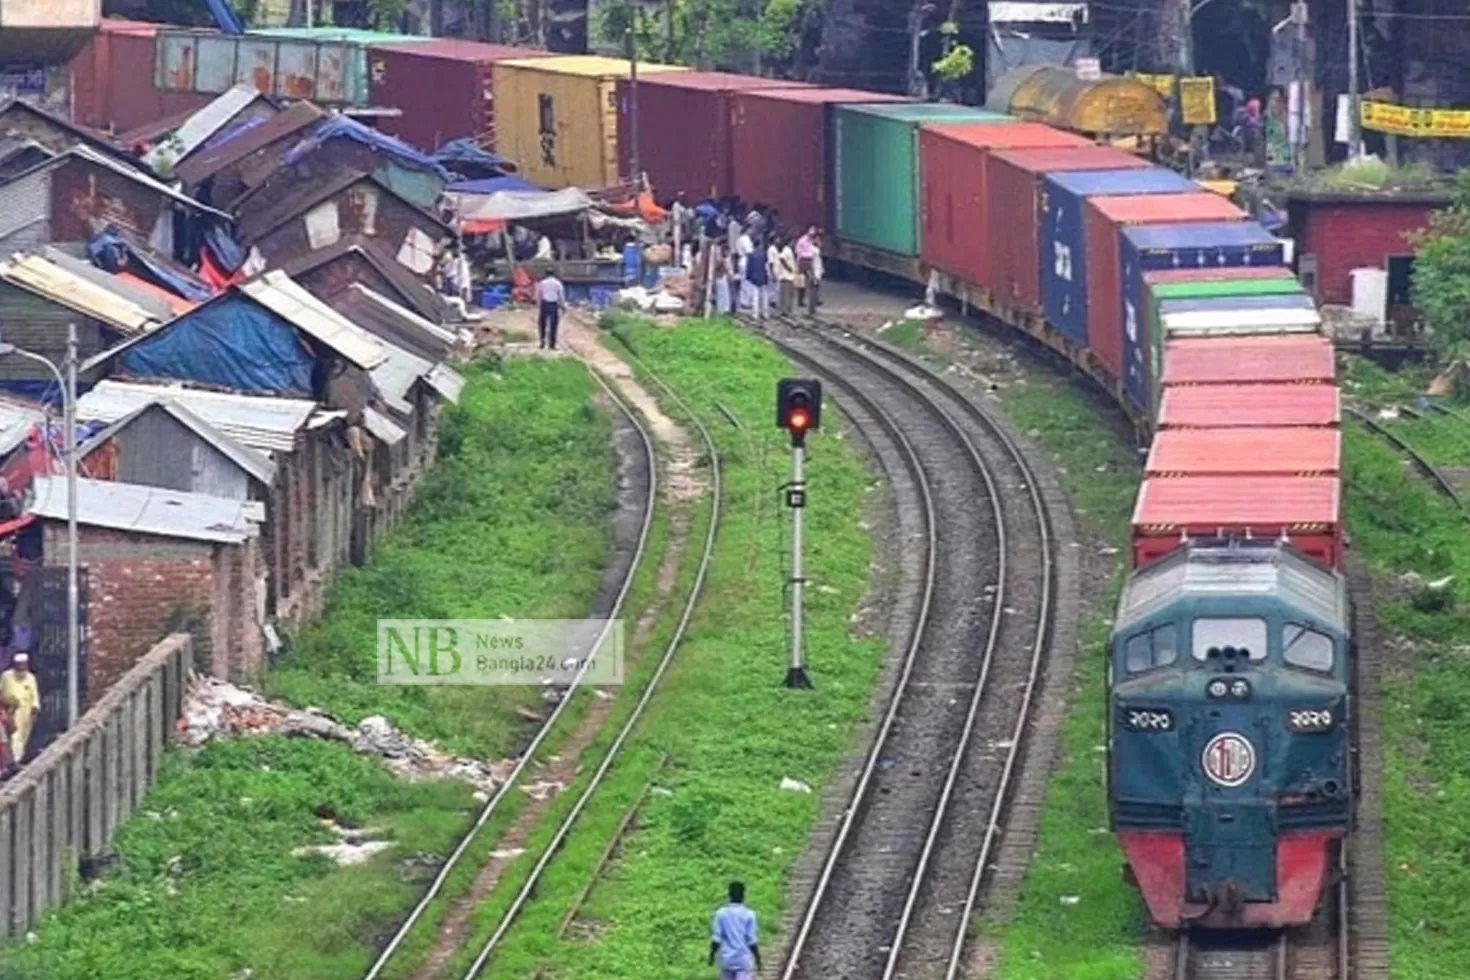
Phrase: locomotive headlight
{"type": "Point", "coordinates": [1148, 719]}
{"type": "Point", "coordinates": [1240, 689]}
{"type": "Point", "coordinates": [1310, 719]}
{"type": "Point", "coordinates": [1218, 689]}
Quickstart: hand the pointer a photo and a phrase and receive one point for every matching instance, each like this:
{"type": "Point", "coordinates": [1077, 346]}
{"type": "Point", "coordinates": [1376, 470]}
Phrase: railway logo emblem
{"type": "Point", "coordinates": [1229, 759]}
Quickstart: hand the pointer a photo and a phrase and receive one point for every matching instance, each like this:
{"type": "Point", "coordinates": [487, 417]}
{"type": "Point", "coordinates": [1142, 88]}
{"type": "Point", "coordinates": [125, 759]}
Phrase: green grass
{"type": "Point", "coordinates": [514, 521]}
{"type": "Point", "coordinates": [730, 730]}
{"type": "Point", "coordinates": [1096, 938]}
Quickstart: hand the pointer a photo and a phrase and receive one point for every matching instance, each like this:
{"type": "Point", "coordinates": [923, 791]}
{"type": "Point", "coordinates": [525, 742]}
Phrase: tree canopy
{"type": "Point", "coordinates": [1441, 288]}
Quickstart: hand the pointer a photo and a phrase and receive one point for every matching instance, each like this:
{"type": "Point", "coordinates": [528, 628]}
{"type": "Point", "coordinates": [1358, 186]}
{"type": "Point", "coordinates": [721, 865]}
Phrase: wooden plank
{"type": "Point", "coordinates": [7, 870]}
{"type": "Point", "coordinates": [94, 821]}
{"type": "Point", "coordinates": [111, 777]}
{"type": "Point", "coordinates": [76, 802]}
{"type": "Point", "coordinates": [41, 850]}
{"type": "Point", "coordinates": [23, 867]}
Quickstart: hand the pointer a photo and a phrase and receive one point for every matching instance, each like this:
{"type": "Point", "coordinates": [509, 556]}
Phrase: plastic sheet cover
{"type": "Point", "coordinates": [109, 251]}
{"type": "Point", "coordinates": [465, 156]}
{"type": "Point", "coordinates": [381, 142]}
{"type": "Point", "coordinates": [231, 343]}
{"type": "Point", "coordinates": [492, 185]}
{"type": "Point", "coordinates": [519, 205]}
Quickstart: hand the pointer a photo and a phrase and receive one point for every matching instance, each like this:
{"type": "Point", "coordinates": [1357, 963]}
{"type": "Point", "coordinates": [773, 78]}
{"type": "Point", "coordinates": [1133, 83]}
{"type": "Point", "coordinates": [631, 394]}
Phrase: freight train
{"type": "Point", "coordinates": [1230, 660]}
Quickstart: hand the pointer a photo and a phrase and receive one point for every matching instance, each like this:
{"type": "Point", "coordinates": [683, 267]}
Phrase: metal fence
{"type": "Point", "coordinates": [64, 806]}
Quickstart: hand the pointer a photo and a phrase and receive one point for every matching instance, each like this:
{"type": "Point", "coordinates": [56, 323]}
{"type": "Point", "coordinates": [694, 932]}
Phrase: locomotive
{"type": "Point", "coordinates": [1229, 769]}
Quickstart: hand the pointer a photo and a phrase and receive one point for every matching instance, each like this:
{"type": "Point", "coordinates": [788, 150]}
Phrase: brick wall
{"type": "Point", "coordinates": [1348, 235]}
{"type": "Point", "coordinates": [141, 587]}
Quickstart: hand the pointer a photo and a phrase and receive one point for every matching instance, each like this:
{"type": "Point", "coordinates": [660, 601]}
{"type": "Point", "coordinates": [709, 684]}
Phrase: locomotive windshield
{"type": "Point", "coordinates": [1156, 648]}
{"type": "Point", "coordinates": [1249, 634]}
{"type": "Point", "coordinates": [1305, 647]}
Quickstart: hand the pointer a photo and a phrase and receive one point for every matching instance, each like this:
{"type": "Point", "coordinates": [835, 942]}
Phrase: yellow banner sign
{"type": "Point", "coordinates": [1402, 120]}
{"type": "Point", "coordinates": [1197, 101]}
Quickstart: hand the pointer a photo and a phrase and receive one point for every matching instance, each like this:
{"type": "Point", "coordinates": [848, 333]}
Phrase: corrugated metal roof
{"type": "Point", "coordinates": [434, 335]}
{"type": "Point", "coordinates": [395, 377]}
{"type": "Point", "coordinates": [280, 294]}
{"type": "Point", "coordinates": [1116, 182]}
{"type": "Point", "coordinates": [1265, 572]}
{"type": "Point", "coordinates": [405, 367]}
{"type": "Point", "coordinates": [1228, 360]}
{"type": "Point", "coordinates": [268, 424]}
{"type": "Point", "coordinates": [585, 65]}
{"type": "Point", "coordinates": [149, 510]}
{"type": "Point", "coordinates": [1242, 319]}
{"type": "Point", "coordinates": [17, 419]}
{"type": "Point", "coordinates": [85, 152]}
{"type": "Point", "coordinates": [1200, 235]}
{"type": "Point", "coordinates": [128, 287]}
{"type": "Point", "coordinates": [200, 166]}
{"type": "Point", "coordinates": [49, 280]}
{"type": "Point", "coordinates": [203, 124]}
{"type": "Point", "coordinates": [447, 382]}
{"type": "Point", "coordinates": [382, 427]}
{"type": "Point", "coordinates": [1264, 503]}
{"type": "Point", "coordinates": [251, 461]}
{"type": "Point", "coordinates": [1237, 451]}
{"type": "Point", "coordinates": [1125, 209]}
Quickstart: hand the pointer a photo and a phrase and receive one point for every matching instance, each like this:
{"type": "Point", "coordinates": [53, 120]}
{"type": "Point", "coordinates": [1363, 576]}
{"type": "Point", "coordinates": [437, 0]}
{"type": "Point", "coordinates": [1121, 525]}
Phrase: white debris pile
{"type": "Point", "coordinates": [352, 847]}
{"type": "Point", "coordinates": [649, 301]}
{"type": "Point", "coordinates": [218, 709]}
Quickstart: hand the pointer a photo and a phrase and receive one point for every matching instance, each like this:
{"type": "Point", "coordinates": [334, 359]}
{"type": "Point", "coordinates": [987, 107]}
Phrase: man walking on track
{"type": "Point", "coordinates": [733, 938]}
{"type": "Point", "coordinates": [553, 297]}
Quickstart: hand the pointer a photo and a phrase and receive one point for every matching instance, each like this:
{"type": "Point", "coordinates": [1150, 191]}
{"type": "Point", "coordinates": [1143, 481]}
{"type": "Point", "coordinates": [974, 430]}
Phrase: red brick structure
{"type": "Point", "coordinates": [1338, 232]}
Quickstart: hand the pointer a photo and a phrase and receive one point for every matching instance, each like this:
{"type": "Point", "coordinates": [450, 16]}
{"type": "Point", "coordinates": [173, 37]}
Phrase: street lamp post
{"type": "Point", "coordinates": [68, 386]}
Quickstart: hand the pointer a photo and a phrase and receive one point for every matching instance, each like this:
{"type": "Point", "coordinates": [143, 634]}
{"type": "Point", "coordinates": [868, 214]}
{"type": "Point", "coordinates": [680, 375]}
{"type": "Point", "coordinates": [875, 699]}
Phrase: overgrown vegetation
{"type": "Point", "coordinates": [1441, 288]}
{"type": "Point", "coordinates": [1076, 916]}
{"type": "Point", "coordinates": [512, 521]}
{"type": "Point", "coordinates": [731, 732]}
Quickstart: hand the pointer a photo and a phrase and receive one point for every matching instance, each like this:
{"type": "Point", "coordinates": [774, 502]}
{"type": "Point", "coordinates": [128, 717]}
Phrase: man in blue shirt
{"type": "Point", "coordinates": [732, 936]}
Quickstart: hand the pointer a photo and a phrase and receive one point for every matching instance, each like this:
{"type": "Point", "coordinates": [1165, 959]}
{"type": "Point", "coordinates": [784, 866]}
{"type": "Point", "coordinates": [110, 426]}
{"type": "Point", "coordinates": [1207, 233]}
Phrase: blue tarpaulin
{"type": "Point", "coordinates": [110, 251]}
{"type": "Point", "coordinates": [230, 132]}
{"type": "Point", "coordinates": [491, 185]}
{"type": "Point", "coordinates": [232, 343]}
{"type": "Point", "coordinates": [342, 126]}
{"type": "Point", "coordinates": [227, 252]}
{"type": "Point", "coordinates": [466, 157]}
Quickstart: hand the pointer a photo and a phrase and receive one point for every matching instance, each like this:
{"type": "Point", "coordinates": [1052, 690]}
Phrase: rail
{"type": "Point", "coordinates": [1420, 461]}
{"type": "Point", "coordinates": [493, 805]}
{"type": "Point", "coordinates": [528, 888]}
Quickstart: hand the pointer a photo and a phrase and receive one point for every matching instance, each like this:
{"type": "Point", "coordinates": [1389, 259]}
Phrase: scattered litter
{"type": "Point", "coordinates": [1071, 899]}
{"type": "Point", "coordinates": [1387, 414]}
{"type": "Point", "coordinates": [661, 791]}
{"type": "Point", "coordinates": [923, 312]}
{"type": "Point", "coordinates": [353, 846]}
{"type": "Point", "coordinates": [645, 301]}
{"type": "Point", "coordinates": [218, 709]}
{"type": "Point", "coordinates": [543, 790]}
{"type": "Point", "coordinates": [507, 853]}
{"type": "Point", "coordinates": [794, 785]}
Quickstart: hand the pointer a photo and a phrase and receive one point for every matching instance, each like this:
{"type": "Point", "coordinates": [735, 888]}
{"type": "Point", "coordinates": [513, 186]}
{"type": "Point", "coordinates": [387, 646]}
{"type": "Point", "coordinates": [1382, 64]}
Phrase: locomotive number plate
{"type": "Point", "coordinates": [1150, 721]}
{"type": "Point", "coordinates": [1229, 759]}
{"type": "Point", "coordinates": [1308, 720]}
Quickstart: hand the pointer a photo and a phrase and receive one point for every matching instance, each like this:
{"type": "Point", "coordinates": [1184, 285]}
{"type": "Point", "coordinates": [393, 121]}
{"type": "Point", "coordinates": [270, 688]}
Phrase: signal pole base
{"type": "Point", "coordinates": [797, 679]}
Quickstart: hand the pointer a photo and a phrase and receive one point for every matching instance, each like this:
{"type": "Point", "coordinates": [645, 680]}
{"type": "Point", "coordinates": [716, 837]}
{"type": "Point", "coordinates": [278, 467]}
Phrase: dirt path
{"type": "Point", "coordinates": [681, 486]}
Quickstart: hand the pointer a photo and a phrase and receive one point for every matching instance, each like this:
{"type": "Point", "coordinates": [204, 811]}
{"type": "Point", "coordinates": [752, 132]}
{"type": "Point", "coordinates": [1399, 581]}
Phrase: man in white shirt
{"type": "Point", "coordinates": [553, 297]}
{"type": "Point", "coordinates": [744, 249]}
{"type": "Point", "coordinates": [785, 276]}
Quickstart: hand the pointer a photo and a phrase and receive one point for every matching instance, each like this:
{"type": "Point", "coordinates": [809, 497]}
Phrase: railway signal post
{"type": "Point", "coordinates": [798, 411]}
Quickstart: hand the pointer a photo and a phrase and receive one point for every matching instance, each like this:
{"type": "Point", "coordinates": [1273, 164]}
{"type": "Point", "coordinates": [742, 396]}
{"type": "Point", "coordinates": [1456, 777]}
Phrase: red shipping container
{"type": "Point", "coordinates": [1227, 274]}
{"type": "Point", "coordinates": [443, 87]}
{"type": "Point", "coordinates": [1220, 405]}
{"type": "Point", "coordinates": [1246, 452]}
{"type": "Point", "coordinates": [685, 121]}
{"type": "Point", "coordinates": [953, 160]}
{"type": "Point", "coordinates": [1304, 510]}
{"type": "Point", "coordinates": [112, 80]}
{"type": "Point", "coordinates": [1013, 208]}
{"type": "Point", "coordinates": [1101, 219]}
{"type": "Point", "coordinates": [1230, 360]}
{"type": "Point", "coordinates": [782, 157]}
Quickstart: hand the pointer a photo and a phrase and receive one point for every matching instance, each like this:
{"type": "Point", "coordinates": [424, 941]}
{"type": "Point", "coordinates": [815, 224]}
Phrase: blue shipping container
{"type": "Point", "coordinates": [1152, 248]}
{"type": "Point", "coordinates": [1064, 255]}
{"type": "Point", "coordinates": [1280, 301]}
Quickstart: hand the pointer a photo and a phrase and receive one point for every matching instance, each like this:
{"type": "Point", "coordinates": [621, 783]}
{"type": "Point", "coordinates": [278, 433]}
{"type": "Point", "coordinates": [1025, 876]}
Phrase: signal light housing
{"type": "Point", "coordinates": [799, 407]}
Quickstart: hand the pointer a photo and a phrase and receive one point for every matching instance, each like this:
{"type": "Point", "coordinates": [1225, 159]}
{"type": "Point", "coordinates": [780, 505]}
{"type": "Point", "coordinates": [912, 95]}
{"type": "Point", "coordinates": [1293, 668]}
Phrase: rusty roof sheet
{"type": "Point", "coordinates": [200, 166]}
{"type": "Point", "coordinates": [268, 424]}
{"type": "Point", "coordinates": [1258, 451]}
{"type": "Point", "coordinates": [408, 287]}
{"type": "Point", "coordinates": [65, 288]}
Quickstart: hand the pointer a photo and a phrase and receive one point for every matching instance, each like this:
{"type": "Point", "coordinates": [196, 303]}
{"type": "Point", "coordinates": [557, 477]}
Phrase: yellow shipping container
{"type": "Point", "coordinates": [558, 117]}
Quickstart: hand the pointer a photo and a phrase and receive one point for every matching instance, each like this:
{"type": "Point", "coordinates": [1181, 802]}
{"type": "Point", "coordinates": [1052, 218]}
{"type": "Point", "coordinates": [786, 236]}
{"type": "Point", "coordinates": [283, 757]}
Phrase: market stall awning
{"type": "Point", "coordinates": [479, 213]}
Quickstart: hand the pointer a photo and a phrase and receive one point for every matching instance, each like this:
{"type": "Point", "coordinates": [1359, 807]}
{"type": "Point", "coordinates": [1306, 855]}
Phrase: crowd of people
{"type": "Point", "coordinates": [754, 266]}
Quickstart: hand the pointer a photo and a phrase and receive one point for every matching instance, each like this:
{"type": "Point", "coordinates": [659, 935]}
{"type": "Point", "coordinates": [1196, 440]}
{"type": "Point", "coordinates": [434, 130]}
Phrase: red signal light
{"type": "Point", "coordinates": [798, 419]}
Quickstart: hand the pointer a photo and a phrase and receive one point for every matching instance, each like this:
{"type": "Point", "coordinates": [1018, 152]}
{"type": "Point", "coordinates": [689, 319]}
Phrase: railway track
{"type": "Point", "coordinates": [390, 951]}
{"type": "Point", "coordinates": [911, 853]}
{"type": "Point", "coordinates": [527, 891]}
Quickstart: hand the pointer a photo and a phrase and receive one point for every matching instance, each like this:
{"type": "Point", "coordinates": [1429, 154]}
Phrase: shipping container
{"type": "Point", "coordinates": [1241, 451]}
{"type": "Point", "coordinates": [1165, 244]}
{"type": "Point", "coordinates": [953, 158]}
{"type": "Point", "coordinates": [46, 32]}
{"type": "Point", "coordinates": [1064, 255]}
{"type": "Point", "coordinates": [1234, 318]}
{"type": "Point", "coordinates": [1013, 192]}
{"type": "Point", "coordinates": [1220, 288]}
{"type": "Point", "coordinates": [1305, 511]}
{"type": "Point", "coordinates": [327, 65]}
{"type": "Point", "coordinates": [1106, 106]}
{"type": "Point", "coordinates": [1161, 277]}
{"type": "Point", "coordinates": [877, 169]}
{"type": "Point", "coordinates": [112, 80]}
{"type": "Point", "coordinates": [782, 154]}
{"type": "Point", "coordinates": [1261, 360]}
{"type": "Point", "coordinates": [684, 130]}
{"type": "Point", "coordinates": [1252, 405]}
{"type": "Point", "coordinates": [557, 117]}
{"type": "Point", "coordinates": [444, 88]}
{"type": "Point", "coordinates": [1208, 304]}
{"type": "Point", "coordinates": [1117, 340]}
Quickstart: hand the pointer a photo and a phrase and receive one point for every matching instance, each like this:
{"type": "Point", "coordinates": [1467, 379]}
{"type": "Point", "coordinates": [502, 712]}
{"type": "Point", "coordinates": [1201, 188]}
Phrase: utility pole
{"type": "Point", "coordinates": [1184, 26]}
{"type": "Point", "coordinates": [918, 85]}
{"type": "Point", "coordinates": [73, 600]}
{"type": "Point", "coordinates": [1355, 136]}
{"type": "Point", "coordinates": [637, 175]}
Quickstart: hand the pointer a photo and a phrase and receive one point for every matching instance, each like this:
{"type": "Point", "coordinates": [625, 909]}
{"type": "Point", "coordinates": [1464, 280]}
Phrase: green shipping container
{"type": "Point", "coordinates": [877, 169]}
